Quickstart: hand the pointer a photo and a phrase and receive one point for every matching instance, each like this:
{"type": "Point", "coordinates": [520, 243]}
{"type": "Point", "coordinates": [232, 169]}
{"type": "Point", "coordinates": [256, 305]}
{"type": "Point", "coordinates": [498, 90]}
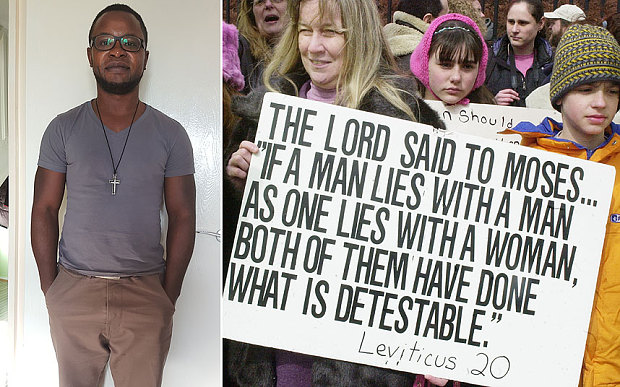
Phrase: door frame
{"type": "Point", "coordinates": [18, 236]}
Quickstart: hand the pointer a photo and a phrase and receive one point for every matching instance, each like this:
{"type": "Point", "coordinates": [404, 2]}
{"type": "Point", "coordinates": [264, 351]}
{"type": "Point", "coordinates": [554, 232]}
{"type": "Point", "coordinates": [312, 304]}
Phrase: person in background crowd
{"type": "Point", "coordinates": [586, 91]}
{"type": "Point", "coordinates": [260, 24]}
{"type": "Point", "coordinates": [450, 61]}
{"type": "Point", "coordinates": [411, 20]}
{"type": "Point", "coordinates": [333, 52]}
{"type": "Point", "coordinates": [233, 84]}
{"type": "Point", "coordinates": [521, 58]}
{"type": "Point", "coordinates": [468, 8]}
{"type": "Point", "coordinates": [478, 8]}
{"type": "Point", "coordinates": [539, 98]}
{"type": "Point", "coordinates": [559, 20]}
{"type": "Point", "coordinates": [233, 80]}
{"type": "Point", "coordinates": [612, 24]}
{"type": "Point", "coordinates": [488, 23]}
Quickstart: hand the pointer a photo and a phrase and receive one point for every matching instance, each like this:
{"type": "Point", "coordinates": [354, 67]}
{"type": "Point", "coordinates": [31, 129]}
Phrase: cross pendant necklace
{"type": "Point", "coordinates": [115, 181]}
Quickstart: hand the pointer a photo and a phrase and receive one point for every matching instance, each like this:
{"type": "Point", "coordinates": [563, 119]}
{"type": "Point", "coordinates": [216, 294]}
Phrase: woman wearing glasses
{"type": "Point", "coordinates": [333, 52]}
{"type": "Point", "coordinates": [260, 24]}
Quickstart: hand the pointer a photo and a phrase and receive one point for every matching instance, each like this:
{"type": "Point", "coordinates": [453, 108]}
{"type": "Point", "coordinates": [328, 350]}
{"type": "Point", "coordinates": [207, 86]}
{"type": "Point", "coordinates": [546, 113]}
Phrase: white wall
{"type": "Point", "coordinates": [4, 142]}
{"type": "Point", "coordinates": [182, 80]}
{"type": "Point", "coordinates": [4, 13]}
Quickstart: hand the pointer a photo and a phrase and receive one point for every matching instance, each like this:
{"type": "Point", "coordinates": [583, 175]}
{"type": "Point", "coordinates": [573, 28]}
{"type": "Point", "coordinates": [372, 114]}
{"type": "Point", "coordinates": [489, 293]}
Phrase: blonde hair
{"type": "Point", "coordinates": [246, 24]}
{"type": "Point", "coordinates": [367, 64]}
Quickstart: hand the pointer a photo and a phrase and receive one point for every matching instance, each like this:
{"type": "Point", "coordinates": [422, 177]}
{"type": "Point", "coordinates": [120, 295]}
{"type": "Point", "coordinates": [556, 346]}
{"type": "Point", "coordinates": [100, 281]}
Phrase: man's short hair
{"type": "Point", "coordinates": [419, 8]}
{"type": "Point", "coordinates": [121, 8]}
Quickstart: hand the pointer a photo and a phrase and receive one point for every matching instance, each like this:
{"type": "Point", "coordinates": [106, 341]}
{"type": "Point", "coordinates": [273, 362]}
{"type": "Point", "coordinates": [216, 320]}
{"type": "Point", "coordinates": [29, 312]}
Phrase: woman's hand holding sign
{"type": "Point", "coordinates": [239, 164]}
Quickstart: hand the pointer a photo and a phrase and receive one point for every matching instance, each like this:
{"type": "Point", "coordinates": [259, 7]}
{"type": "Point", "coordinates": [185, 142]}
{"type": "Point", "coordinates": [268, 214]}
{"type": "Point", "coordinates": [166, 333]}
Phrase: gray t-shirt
{"type": "Point", "coordinates": [114, 235]}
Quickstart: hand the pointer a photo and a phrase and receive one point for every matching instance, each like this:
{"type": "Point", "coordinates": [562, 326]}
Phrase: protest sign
{"type": "Point", "coordinates": [487, 120]}
{"type": "Point", "coordinates": [374, 240]}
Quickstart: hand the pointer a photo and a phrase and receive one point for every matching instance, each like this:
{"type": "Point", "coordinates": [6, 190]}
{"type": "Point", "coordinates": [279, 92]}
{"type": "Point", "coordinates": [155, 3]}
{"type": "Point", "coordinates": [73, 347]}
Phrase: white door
{"type": "Point", "coordinates": [50, 75]}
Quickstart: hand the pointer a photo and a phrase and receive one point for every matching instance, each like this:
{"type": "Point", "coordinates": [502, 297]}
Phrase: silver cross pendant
{"type": "Point", "coordinates": [114, 181]}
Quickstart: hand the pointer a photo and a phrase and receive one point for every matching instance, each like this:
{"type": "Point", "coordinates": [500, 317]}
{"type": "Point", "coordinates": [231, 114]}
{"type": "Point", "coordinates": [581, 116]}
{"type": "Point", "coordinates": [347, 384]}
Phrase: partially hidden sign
{"type": "Point", "coordinates": [488, 120]}
{"type": "Point", "coordinates": [380, 241]}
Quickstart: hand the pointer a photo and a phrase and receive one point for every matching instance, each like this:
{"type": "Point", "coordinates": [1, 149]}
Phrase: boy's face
{"type": "Point", "coordinates": [588, 109]}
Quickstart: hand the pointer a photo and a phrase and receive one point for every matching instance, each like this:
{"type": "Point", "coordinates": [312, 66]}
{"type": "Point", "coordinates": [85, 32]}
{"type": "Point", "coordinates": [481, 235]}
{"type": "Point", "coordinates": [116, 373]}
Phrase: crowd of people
{"type": "Point", "coordinates": [338, 52]}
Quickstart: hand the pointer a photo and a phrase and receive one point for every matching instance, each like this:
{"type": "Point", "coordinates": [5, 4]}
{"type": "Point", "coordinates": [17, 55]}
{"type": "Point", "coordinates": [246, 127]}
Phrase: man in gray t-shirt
{"type": "Point", "coordinates": [109, 291]}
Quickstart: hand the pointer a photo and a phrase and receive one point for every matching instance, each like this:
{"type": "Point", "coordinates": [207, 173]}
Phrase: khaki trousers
{"type": "Point", "coordinates": [127, 321]}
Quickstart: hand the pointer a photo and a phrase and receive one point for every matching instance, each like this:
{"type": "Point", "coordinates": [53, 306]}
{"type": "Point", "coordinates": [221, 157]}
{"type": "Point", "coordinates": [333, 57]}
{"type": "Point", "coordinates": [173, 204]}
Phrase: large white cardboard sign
{"type": "Point", "coordinates": [487, 120]}
{"type": "Point", "coordinates": [380, 241]}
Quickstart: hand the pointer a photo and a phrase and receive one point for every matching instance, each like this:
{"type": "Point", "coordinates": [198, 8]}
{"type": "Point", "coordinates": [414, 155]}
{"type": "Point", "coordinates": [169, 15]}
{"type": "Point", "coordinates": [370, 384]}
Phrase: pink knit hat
{"type": "Point", "coordinates": [231, 66]}
{"type": "Point", "coordinates": [419, 57]}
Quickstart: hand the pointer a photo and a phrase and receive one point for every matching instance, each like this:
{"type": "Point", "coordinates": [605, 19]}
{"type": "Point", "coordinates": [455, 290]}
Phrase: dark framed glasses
{"type": "Point", "coordinates": [106, 42]}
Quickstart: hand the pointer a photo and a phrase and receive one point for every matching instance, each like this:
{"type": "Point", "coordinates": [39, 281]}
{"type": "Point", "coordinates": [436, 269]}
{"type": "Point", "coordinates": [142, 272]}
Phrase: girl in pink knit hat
{"type": "Point", "coordinates": [450, 62]}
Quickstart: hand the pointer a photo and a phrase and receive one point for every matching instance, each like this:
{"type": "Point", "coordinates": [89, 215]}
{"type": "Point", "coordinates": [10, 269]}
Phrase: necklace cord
{"type": "Point", "coordinates": [115, 168]}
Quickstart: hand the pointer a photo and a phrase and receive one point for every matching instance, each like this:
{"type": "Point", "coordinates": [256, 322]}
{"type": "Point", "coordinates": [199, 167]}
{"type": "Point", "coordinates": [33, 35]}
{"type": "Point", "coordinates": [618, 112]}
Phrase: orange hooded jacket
{"type": "Point", "coordinates": [601, 362]}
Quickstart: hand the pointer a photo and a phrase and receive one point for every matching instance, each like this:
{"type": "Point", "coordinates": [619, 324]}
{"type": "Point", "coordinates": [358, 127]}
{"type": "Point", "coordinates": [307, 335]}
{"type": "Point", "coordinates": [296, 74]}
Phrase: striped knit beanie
{"type": "Point", "coordinates": [585, 54]}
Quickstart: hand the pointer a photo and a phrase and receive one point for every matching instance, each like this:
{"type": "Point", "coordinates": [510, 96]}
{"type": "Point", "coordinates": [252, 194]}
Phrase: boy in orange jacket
{"type": "Point", "coordinates": [585, 88]}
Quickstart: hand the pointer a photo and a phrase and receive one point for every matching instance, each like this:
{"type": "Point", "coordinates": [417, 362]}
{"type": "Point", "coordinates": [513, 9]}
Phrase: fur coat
{"type": "Point", "coordinates": [403, 36]}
